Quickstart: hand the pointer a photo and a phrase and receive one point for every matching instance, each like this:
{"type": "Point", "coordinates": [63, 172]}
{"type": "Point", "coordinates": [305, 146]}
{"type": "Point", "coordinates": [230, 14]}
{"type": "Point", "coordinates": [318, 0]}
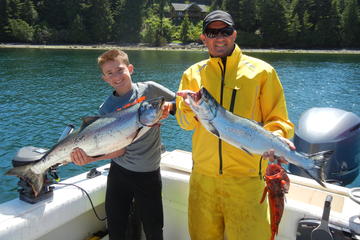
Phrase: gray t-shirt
{"type": "Point", "coordinates": [143, 155]}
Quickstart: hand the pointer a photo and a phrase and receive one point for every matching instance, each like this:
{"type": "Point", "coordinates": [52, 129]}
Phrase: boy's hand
{"type": "Point", "coordinates": [79, 157]}
{"type": "Point", "coordinates": [167, 107]}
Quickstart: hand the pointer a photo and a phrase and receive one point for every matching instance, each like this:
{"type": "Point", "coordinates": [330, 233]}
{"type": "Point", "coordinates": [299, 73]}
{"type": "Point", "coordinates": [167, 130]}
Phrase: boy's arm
{"type": "Point", "coordinates": [79, 157]}
{"type": "Point", "coordinates": [170, 104]}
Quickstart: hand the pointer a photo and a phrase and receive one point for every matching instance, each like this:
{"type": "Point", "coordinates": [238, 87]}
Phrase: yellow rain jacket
{"type": "Point", "coordinates": [246, 86]}
{"type": "Point", "coordinates": [225, 187]}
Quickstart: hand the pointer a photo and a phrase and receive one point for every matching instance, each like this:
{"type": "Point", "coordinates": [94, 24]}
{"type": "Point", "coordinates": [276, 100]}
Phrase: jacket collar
{"type": "Point", "coordinates": [234, 57]}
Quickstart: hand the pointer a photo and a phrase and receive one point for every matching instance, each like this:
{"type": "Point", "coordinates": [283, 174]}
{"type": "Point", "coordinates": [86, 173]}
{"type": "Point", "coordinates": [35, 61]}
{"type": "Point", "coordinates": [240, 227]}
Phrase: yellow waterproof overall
{"type": "Point", "coordinates": [227, 204]}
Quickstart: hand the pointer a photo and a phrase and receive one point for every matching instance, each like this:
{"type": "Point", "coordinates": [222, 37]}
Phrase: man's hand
{"type": "Point", "coordinates": [79, 157]}
{"type": "Point", "coordinates": [184, 94]}
{"type": "Point", "coordinates": [271, 153]}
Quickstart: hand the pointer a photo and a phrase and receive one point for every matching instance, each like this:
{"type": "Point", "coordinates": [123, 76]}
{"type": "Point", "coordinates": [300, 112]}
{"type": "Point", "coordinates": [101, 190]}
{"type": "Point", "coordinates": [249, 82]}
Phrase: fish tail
{"type": "Point", "coordinates": [319, 159]}
{"type": "Point", "coordinates": [35, 180]}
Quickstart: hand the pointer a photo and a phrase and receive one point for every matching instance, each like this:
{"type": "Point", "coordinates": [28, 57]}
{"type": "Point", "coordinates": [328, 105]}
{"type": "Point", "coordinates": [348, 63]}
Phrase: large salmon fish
{"type": "Point", "coordinates": [98, 135]}
{"type": "Point", "coordinates": [248, 135]}
{"type": "Point", "coordinates": [277, 184]}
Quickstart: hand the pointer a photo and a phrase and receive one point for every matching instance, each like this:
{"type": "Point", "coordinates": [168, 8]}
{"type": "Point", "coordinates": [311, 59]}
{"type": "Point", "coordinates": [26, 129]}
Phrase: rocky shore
{"type": "Point", "coordinates": [171, 46]}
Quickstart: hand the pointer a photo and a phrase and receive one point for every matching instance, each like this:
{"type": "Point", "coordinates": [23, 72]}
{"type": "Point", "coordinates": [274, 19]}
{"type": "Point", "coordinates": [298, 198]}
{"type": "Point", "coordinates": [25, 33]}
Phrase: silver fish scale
{"type": "Point", "coordinates": [107, 134]}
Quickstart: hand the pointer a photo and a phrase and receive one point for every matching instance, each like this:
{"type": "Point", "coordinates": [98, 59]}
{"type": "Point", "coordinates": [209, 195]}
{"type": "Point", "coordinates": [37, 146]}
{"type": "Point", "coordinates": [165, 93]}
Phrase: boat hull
{"type": "Point", "coordinates": [69, 215]}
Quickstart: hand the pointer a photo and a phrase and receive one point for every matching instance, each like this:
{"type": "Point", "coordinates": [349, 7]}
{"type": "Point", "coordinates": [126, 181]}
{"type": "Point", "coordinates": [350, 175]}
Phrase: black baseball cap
{"type": "Point", "coordinates": [218, 15]}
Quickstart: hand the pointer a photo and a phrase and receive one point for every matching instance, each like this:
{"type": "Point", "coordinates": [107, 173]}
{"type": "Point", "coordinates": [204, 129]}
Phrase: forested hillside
{"type": "Point", "coordinates": [307, 24]}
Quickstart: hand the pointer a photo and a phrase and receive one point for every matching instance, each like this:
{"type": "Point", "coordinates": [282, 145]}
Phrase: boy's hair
{"type": "Point", "coordinates": [112, 55]}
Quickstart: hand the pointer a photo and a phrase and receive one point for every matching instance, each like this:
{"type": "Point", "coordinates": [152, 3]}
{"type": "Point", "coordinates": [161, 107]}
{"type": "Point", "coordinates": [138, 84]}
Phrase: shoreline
{"type": "Point", "coordinates": [172, 47]}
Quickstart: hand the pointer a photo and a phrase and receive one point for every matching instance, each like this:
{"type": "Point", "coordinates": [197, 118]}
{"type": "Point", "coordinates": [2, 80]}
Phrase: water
{"type": "Point", "coordinates": [43, 90]}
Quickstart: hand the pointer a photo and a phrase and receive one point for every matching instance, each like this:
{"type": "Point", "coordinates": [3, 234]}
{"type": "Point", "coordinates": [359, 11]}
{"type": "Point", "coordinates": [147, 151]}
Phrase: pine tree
{"type": "Point", "coordinates": [233, 8]}
{"type": "Point", "coordinates": [326, 32]}
{"type": "Point", "coordinates": [247, 16]}
{"type": "Point", "coordinates": [273, 23]}
{"type": "Point", "coordinates": [28, 12]}
{"type": "Point", "coordinates": [184, 29]}
{"type": "Point", "coordinates": [4, 23]}
{"type": "Point", "coordinates": [131, 20]}
{"type": "Point", "coordinates": [77, 31]}
{"type": "Point", "coordinates": [351, 25]}
{"type": "Point", "coordinates": [101, 21]}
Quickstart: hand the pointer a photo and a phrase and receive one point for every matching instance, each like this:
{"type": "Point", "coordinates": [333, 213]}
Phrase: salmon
{"type": "Point", "coordinates": [98, 135]}
{"type": "Point", "coordinates": [249, 135]}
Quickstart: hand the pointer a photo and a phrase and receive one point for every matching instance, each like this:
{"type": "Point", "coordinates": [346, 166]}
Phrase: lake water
{"type": "Point", "coordinates": [43, 90]}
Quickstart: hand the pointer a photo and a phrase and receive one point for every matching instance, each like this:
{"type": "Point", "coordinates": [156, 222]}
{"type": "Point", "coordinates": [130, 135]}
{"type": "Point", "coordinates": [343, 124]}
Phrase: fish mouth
{"type": "Point", "coordinates": [150, 112]}
{"type": "Point", "coordinates": [195, 96]}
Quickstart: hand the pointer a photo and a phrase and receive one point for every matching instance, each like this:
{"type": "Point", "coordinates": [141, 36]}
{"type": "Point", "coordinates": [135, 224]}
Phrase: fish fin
{"type": "Point", "coordinates": [247, 151]}
{"type": "Point", "coordinates": [212, 129]}
{"type": "Point", "coordinates": [24, 172]}
{"type": "Point", "coordinates": [264, 194]}
{"type": "Point", "coordinates": [320, 156]}
{"type": "Point", "coordinates": [137, 134]}
{"type": "Point", "coordinates": [87, 121]}
{"type": "Point", "coordinates": [317, 179]}
{"type": "Point", "coordinates": [256, 122]}
{"type": "Point", "coordinates": [320, 159]}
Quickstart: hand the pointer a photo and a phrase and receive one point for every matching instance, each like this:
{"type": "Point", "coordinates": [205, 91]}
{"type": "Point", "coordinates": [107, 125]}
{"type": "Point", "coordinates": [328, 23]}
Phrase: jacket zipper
{"type": "Point", "coordinates": [221, 102]}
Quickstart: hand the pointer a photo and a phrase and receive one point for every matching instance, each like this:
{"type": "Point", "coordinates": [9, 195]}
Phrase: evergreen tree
{"type": "Point", "coordinates": [195, 31]}
{"type": "Point", "coordinates": [294, 30]}
{"type": "Point", "coordinates": [340, 5]}
{"type": "Point", "coordinates": [293, 23]}
{"type": "Point", "coordinates": [233, 8]}
{"type": "Point", "coordinates": [305, 39]}
{"type": "Point", "coordinates": [4, 23]}
{"type": "Point", "coordinates": [216, 4]}
{"type": "Point", "coordinates": [43, 34]}
{"type": "Point", "coordinates": [20, 31]}
{"type": "Point", "coordinates": [9, 10]}
{"type": "Point", "coordinates": [13, 9]}
{"type": "Point", "coordinates": [351, 25]}
{"type": "Point", "coordinates": [150, 32]}
{"type": "Point", "coordinates": [28, 13]}
{"type": "Point", "coordinates": [131, 19]}
{"type": "Point", "coordinates": [156, 29]}
{"type": "Point", "coordinates": [273, 23]}
{"type": "Point", "coordinates": [118, 13]}
{"type": "Point", "coordinates": [77, 31]}
{"type": "Point", "coordinates": [101, 21]}
{"type": "Point", "coordinates": [53, 13]}
{"type": "Point", "coordinates": [247, 16]}
{"type": "Point", "coordinates": [184, 29]}
{"type": "Point", "coordinates": [326, 32]}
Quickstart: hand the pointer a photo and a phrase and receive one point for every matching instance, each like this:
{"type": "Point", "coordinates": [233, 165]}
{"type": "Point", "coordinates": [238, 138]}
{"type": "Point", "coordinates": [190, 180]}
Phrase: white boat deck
{"type": "Point", "coordinates": [68, 214]}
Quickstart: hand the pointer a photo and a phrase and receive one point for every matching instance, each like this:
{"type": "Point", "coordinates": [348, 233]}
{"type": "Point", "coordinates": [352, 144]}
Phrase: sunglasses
{"type": "Point", "coordinates": [213, 33]}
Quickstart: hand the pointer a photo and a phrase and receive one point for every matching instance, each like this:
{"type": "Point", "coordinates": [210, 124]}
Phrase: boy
{"type": "Point", "coordinates": [135, 170]}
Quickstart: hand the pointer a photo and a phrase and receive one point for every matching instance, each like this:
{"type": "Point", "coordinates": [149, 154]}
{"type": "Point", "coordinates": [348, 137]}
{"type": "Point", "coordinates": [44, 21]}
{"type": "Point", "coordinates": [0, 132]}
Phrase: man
{"type": "Point", "coordinates": [226, 183]}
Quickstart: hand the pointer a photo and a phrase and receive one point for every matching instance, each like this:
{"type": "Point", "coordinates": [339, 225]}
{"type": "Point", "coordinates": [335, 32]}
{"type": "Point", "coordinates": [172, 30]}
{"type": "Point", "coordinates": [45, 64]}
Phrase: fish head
{"type": "Point", "coordinates": [150, 111]}
{"type": "Point", "coordinates": [203, 104]}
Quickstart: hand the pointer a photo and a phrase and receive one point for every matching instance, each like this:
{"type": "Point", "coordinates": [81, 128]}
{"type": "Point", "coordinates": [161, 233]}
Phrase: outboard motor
{"type": "Point", "coordinates": [322, 129]}
{"type": "Point", "coordinates": [27, 155]}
